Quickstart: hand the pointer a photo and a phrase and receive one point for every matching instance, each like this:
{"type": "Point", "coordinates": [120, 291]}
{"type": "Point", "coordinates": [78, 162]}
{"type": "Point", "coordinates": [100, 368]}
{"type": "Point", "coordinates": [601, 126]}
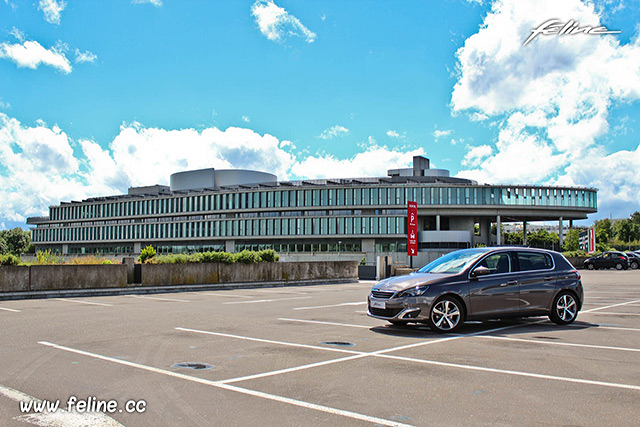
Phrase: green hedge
{"type": "Point", "coordinates": [9, 259]}
{"type": "Point", "coordinates": [245, 257]}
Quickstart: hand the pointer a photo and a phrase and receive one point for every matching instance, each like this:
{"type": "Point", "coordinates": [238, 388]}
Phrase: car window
{"type": "Point", "coordinates": [534, 261]}
{"type": "Point", "coordinates": [497, 263]}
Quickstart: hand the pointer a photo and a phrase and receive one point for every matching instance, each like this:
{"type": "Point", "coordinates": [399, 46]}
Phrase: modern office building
{"type": "Point", "coordinates": [351, 218]}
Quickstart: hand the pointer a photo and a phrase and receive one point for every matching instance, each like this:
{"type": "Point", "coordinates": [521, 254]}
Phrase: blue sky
{"type": "Point", "coordinates": [99, 96]}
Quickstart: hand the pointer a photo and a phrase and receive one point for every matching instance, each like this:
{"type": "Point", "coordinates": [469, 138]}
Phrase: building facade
{"type": "Point", "coordinates": [352, 218]}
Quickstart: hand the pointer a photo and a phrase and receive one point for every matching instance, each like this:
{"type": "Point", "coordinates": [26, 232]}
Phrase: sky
{"type": "Point", "coordinates": [99, 96]}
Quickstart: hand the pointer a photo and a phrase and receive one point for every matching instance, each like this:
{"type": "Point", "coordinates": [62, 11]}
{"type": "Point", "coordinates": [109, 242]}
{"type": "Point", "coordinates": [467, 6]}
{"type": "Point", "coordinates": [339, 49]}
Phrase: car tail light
{"type": "Point", "coordinates": [622, 258]}
{"type": "Point", "coordinates": [576, 272]}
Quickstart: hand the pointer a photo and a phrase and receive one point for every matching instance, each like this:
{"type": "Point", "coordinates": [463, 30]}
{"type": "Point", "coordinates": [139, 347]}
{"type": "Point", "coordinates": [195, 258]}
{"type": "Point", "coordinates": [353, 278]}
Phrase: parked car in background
{"type": "Point", "coordinates": [480, 283]}
{"type": "Point", "coordinates": [609, 259]}
{"type": "Point", "coordinates": [634, 260]}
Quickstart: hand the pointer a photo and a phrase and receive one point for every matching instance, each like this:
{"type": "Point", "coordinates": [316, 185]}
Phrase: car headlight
{"type": "Point", "coordinates": [413, 292]}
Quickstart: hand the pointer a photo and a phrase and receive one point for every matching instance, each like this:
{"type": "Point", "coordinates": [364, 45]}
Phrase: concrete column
{"type": "Point", "coordinates": [524, 233]}
{"type": "Point", "coordinates": [230, 246]}
{"type": "Point", "coordinates": [498, 232]}
{"type": "Point", "coordinates": [437, 222]}
{"type": "Point", "coordinates": [137, 248]}
{"type": "Point", "coordinates": [65, 249]}
{"type": "Point", "coordinates": [485, 231]}
{"type": "Point", "coordinates": [560, 233]}
{"type": "Point", "coordinates": [570, 224]}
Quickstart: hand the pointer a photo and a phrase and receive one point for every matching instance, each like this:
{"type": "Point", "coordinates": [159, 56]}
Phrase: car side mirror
{"type": "Point", "coordinates": [480, 271]}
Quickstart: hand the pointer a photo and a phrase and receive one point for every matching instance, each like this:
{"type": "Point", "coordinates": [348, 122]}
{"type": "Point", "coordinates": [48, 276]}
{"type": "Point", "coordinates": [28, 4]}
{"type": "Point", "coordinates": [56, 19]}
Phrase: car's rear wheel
{"type": "Point", "coordinates": [565, 309]}
{"type": "Point", "coordinates": [590, 266]}
{"type": "Point", "coordinates": [446, 315]}
{"type": "Point", "coordinates": [618, 266]}
{"type": "Point", "coordinates": [634, 265]}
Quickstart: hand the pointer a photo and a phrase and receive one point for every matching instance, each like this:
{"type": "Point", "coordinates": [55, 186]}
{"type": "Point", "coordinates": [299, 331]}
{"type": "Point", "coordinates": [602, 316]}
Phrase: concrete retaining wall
{"type": "Point", "coordinates": [50, 277]}
{"type": "Point", "coordinates": [71, 277]}
{"type": "Point", "coordinates": [205, 273]}
{"type": "Point", "coordinates": [577, 261]}
{"type": "Point", "coordinates": [14, 278]}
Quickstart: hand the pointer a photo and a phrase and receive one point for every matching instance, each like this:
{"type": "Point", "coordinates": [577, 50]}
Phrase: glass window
{"type": "Point", "coordinates": [497, 263]}
{"type": "Point", "coordinates": [534, 261]}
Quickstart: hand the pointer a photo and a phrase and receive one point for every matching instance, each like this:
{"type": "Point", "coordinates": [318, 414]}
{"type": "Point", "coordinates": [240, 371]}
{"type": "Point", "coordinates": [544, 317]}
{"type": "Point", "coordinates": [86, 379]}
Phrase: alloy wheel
{"type": "Point", "coordinates": [445, 315]}
{"type": "Point", "coordinates": [566, 308]}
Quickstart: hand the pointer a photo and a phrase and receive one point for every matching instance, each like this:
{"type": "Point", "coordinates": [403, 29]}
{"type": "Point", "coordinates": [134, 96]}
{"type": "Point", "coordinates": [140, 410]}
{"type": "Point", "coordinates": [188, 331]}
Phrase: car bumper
{"type": "Point", "coordinates": [406, 309]}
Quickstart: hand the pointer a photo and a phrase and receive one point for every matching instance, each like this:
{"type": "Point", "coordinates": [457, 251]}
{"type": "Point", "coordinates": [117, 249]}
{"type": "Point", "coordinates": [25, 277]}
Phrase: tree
{"type": "Point", "coordinates": [16, 240]}
{"type": "Point", "coordinates": [572, 240]}
{"type": "Point", "coordinates": [3, 245]}
{"type": "Point", "coordinates": [512, 238]}
{"type": "Point", "coordinates": [543, 239]}
{"type": "Point", "coordinates": [603, 230]}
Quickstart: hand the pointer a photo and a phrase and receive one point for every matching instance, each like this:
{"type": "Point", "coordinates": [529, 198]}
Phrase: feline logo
{"type": "Point", "coordinates": [557, 27]}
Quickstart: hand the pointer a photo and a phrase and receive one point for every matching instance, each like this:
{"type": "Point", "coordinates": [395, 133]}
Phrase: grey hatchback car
{"type": "Point", "coordinates": [481, 283]}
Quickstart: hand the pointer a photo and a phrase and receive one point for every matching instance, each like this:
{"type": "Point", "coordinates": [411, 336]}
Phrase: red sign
{"type": "Point", "coordinates": [412, 228]}
{"type": "Point", "coordinates": [592, 240]}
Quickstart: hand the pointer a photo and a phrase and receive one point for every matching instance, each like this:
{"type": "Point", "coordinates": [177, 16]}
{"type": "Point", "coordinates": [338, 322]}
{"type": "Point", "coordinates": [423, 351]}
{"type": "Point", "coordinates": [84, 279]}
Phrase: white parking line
{"type": "Point", "coordinates": [219, 294]}
{"type": "Point", "coordinates": [264, 300]}
{"type": "Point", "coordinates": [600, 326]}
{"type": "Point", "coordinates": [218, 384]}
{"type": "Point", "coordinates": [159, 299]}
{"type": "Point", "coordinates": [10, 309]}
{"type": "Point", "coordinates": [382, 354]}
{"type": "Point", "coordinates": [83, 302]}
{"type": "Point", "coordinates": [617, 314]}
{"type": "Point", "coordinates": [602, 347]}
{"type": "Point", "coordinates": [332, 305]}
{"type": "Point", "coordinates": [610, 306]}
{"type": "Point", "coordinates": [319, 322]}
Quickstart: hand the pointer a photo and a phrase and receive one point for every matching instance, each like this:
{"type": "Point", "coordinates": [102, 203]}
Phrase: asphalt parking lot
{"type": "Point", "coordinates": [279, 356]}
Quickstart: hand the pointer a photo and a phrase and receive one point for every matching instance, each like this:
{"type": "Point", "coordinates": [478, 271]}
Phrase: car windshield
{"type": "Point", "coordinates": [454, 262]}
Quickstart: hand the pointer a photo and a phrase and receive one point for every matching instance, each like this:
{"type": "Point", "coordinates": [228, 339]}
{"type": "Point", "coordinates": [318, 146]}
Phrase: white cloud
{"type": "Point", "coordinates": [31, 54]}
{"type": "Point", "coordinates": [51, 10]}
{"type": "Point", "coordinates": [41, 166]}
{"type": "Point", "coordinates": [333, 132]}
{"type": "Point", "coordinates": [246, 119]}
{"type": "Point", "coordinates": [395, 134]}
{"type": "Point", "coordinates": [156, 3]}
{"type": "Point", "coordinates": [85, 56]}
{"type": "Point", "coordinates": [277, 24]}
{"type": "Point", "coordinates": [4, 105]}
{"type": "Point", "coordinates": [441, 133]}
{"type": "Point", "coordinates": [19, 35]}
{"type": "Point", "coordinates": [374, 161]}
{"type": "Point", "coordinates": [551, 97]}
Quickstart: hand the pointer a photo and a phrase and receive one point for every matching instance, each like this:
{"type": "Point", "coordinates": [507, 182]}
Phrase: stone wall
{"type": "Point", "coordinates": [205, 273]}
{"type": "Point", "coordinates": [54, 277]}
{"type": "Point", "coordinates": [14, 278]}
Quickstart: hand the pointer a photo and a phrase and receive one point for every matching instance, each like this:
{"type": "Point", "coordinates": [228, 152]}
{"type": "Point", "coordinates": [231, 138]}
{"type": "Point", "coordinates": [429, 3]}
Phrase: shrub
{"type": "Point", "coordinates": [146, 254]}
{"type": "Point", "coordinates": [46, 257]}
{"type": "Point", "coordinates": [247, 257]}
{"type": "Point", "coordinates": [9, 259]}
{"type": "Point", "coordinates": [268, 255]}
{"type": "Point", "coordinates": [575, 254]}
{"type": "Point", "coordinates": [88, 260]}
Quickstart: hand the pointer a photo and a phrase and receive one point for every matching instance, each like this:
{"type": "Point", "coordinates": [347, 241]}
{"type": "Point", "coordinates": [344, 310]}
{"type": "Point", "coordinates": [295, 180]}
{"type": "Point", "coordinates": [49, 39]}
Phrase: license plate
{"type": "Point", "coordinates": [378, 304]}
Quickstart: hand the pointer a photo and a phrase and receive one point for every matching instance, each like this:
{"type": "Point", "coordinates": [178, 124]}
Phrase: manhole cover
{"type": "Point", "coordinates": [190, 365]}
{"type": "Point", "coordinates": [338, 343]}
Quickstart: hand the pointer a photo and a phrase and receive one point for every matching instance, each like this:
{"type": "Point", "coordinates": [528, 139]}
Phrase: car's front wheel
{"type": "Point", "coordinates": [565, 309]}
{"type": "Point", "coordinates": [446, 315]}
{"type": "Point", "coordinates": [634, 265]}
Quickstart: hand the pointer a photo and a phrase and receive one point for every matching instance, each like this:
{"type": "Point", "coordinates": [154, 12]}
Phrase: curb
{"type": "Point", "coordinates": [165, 289]}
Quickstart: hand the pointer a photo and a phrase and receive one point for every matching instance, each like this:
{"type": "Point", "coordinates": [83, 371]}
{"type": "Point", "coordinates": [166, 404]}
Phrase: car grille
{"type": "Point", "coordinates": [389, 312]}
{"type": "Point", "coordinates": [382, 294]}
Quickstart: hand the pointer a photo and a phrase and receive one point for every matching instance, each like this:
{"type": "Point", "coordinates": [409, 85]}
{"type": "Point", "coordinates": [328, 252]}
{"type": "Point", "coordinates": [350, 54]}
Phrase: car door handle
{"type": "Point", "coordinates": [509, 283]}
{"type": "Point", "coordinates": [548, 279]}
